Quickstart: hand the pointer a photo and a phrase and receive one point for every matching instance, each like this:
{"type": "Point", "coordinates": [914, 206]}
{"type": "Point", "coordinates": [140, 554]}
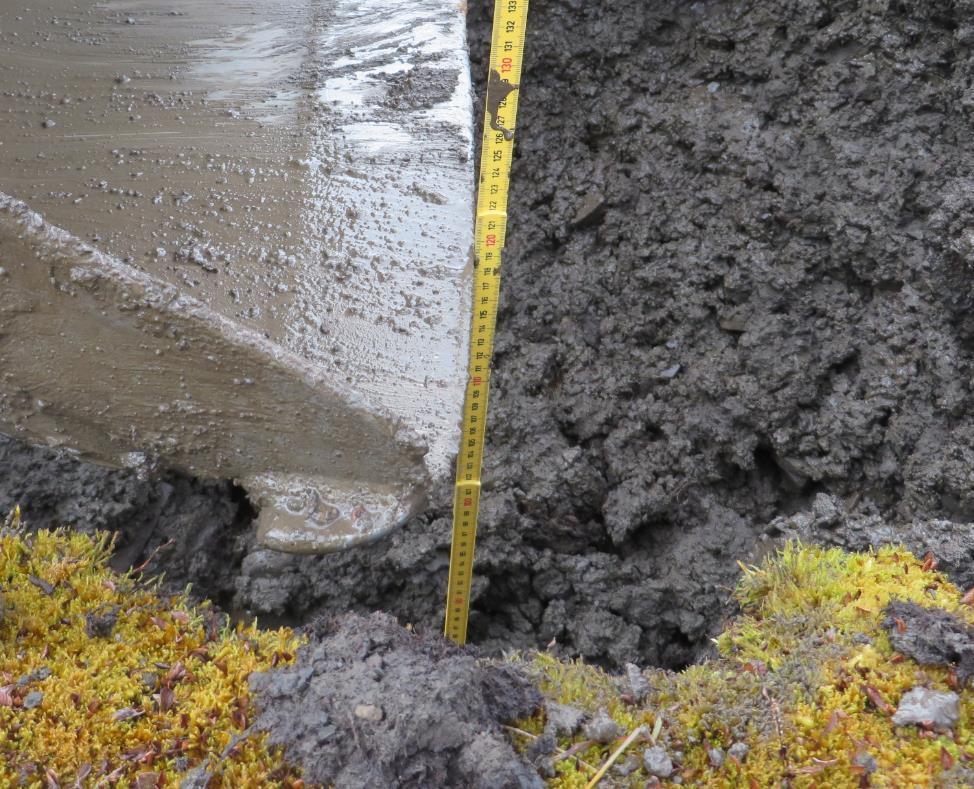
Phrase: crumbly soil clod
{"type": "Point", "coordinates": [369, 703]}
{"type": "Point", "coordinates": [931, 636]}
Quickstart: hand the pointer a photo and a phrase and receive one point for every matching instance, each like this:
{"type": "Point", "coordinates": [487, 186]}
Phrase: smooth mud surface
{"type": "Point", "coordinates": [737, 304]}
{"type": "Point", "coordinates": [293, 176]}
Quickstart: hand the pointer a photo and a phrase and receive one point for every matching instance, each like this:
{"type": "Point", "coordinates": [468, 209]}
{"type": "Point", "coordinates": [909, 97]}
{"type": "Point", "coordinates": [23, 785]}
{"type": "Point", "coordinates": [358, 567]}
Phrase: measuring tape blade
{"type": "Point", "coordinates": [497, 149]}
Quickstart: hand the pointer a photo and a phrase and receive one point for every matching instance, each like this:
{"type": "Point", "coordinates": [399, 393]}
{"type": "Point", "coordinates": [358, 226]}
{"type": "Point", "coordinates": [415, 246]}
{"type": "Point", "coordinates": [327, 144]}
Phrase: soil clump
{"type": "Point", "coordinates": [370, 704]}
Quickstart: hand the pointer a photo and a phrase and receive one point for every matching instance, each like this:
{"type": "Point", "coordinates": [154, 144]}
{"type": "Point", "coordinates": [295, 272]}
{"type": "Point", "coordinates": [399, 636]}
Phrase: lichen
{"type": "Point", "coordinates": [805, 677]}
{"type": "Point", "coordinates": [105, 681]}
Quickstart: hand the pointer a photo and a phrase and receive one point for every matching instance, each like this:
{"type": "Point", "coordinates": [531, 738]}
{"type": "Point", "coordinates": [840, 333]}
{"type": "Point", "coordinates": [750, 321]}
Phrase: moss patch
{"type": "Point", "coordinates": [806, 678]}
{"type": "Point", "coordinates": [103, 679]}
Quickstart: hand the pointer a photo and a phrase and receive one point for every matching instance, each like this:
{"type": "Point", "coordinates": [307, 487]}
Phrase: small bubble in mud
{"type": "Point", "coordinates": [47, 123]}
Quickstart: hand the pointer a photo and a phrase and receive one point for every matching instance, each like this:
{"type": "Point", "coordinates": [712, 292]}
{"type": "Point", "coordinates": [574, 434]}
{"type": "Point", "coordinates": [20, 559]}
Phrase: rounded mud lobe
{"type": "Point", "coordinates": [736, 289]}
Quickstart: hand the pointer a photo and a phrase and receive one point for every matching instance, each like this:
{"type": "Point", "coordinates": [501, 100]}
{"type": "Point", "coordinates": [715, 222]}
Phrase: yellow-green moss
{"type": "Point", "coordinates": [798, 679]}
{"type": "Point", "coordinates": [160, 694]}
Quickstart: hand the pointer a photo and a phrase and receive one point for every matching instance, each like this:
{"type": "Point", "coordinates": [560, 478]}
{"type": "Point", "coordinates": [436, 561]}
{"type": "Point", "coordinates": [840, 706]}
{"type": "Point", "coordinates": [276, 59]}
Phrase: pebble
{"type": "Point", "coordinates": [591, 209]}
{"type": "Point", "coordinates": [716, 757]}
{"type": "Point", "coordinates": [657, 762]}
{"type": "Point", "coordinates": [100, 625]}
{"type": "Point", "coordinates": [47, 123]}
{"type": "Point", "coordinates": [33, 699]}
{"type": "Point", "coordinates": [866, 761]}
{"type": "Point", "coordinates": [941, 709]}
{"type": "Point", "coordinates": [369, 712]}
{"type": "Point", "coordinates": [38, 675]}
{"type": "Point", "coordinates": [602, 728]}
{"type": "Point", "coordinates": [739, 751]}
{"type": "Point", "coordinates": [638, 685]}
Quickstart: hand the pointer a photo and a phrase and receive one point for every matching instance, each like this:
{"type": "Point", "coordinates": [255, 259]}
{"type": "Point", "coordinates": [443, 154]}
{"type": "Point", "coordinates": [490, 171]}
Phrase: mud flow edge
{"type": "Point", "coordinates": [497, 147]}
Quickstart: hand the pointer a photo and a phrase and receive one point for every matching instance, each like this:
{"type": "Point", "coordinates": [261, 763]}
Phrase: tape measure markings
{"type": "Point", "coordinates": [506, 60]}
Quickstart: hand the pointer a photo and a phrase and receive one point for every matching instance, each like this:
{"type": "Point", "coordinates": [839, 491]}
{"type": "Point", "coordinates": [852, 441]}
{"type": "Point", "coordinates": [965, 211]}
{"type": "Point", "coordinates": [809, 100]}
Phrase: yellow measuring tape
{"type": "Point", "coordinates": [506, 59]}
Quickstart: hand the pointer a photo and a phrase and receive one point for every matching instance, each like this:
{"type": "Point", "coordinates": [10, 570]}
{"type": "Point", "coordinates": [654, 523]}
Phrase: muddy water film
{"type": "Point", "coordinates": [234, 239]}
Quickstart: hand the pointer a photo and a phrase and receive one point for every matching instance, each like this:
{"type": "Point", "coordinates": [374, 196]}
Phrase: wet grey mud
{"type": "Point", "coordinates": [737, 305]}
{"type": "Point", "coordinates": [205, 258]}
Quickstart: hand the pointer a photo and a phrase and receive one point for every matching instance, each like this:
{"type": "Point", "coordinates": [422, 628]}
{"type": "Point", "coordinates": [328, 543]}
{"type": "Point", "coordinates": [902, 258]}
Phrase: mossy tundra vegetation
{"type": "Point", "coordinates": [106, 682]}
{"type": "Point", "coordinates": [103, 682]}
{"type": "Point", "coordinates": [803, 692]}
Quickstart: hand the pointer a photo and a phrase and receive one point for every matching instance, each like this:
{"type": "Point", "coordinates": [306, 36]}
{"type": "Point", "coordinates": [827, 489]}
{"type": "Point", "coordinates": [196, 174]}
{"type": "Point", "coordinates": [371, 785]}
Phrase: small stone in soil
{"type": "Point", "coordinates": [602, 728]}
{"type": "Point", "coordinates": [38, 675]}
{"type": "Point", "coordinates": [739, 751]}
{"type": "Point", "coordinates": [33, 699]}
{"type": "Point", "coordinates": [931, 636]}
{"type": "Point", "coordinates": [657, 762]}
{"type": "Point", "coordinates": [369, 712]}
{"type": "Point", "coordinates": [638, 684]}
{"type": "Point", "coordinates": [591, 210]}
{"type": "Point", "coordinates": [100, 625]}
{"type": "Point", "coordinates": [922, 706]}
{"type": "Point", "coordinates": [866, 761]}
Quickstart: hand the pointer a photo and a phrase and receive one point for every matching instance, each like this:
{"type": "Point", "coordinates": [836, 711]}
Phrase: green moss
{"type": "Point", "coordinates": [805, 677]}
{"type": "Point", "coordinates": [139, 700]}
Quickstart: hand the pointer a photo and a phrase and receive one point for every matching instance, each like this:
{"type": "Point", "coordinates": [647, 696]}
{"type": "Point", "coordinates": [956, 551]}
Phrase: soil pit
{"type": "Point", "coordinates": [737, 302]}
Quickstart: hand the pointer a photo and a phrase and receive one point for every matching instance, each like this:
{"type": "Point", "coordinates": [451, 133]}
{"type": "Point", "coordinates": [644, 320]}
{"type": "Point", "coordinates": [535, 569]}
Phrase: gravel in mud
{"type": "Point", "coordinates": [737, 279]}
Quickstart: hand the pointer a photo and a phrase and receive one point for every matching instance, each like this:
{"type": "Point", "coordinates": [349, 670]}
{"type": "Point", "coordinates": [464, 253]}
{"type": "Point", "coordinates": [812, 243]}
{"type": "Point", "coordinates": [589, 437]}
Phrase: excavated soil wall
{"type": "Point", "coordinates": [737, 303]}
